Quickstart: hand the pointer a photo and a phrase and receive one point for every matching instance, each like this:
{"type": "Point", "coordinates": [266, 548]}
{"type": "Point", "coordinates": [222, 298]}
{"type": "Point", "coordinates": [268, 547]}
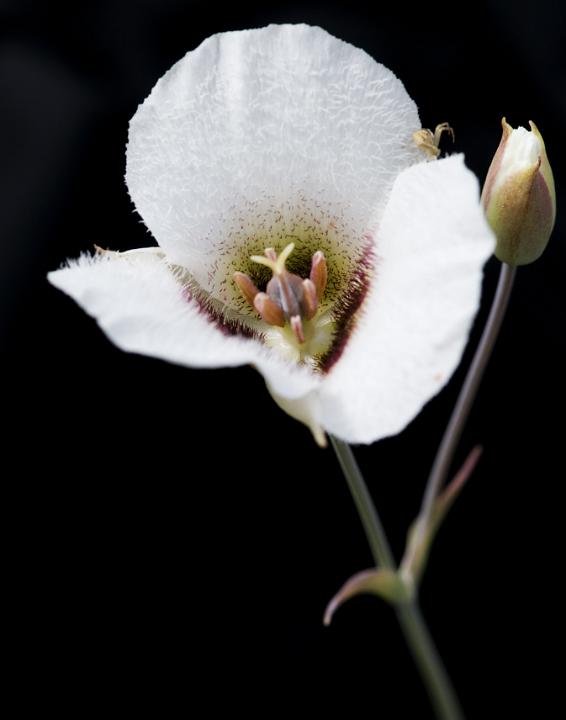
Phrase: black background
{"type": "Point", "coordinates": [174, 537]}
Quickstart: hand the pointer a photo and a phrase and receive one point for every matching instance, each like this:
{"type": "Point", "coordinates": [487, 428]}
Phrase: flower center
{"type": "Point", "coordinates": [290, 303]}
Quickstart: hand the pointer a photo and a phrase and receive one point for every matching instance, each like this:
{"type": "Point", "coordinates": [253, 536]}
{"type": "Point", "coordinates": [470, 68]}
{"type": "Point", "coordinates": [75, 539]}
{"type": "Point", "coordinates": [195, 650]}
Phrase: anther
{"type": "Point", "coordinates": [270, 312]}
{"type": "Point", "coordinates": [319, 273]}
{"type": "Point", "coordinates": [246, 286]}
{"type": "Point", "coordinates": [309, 302]}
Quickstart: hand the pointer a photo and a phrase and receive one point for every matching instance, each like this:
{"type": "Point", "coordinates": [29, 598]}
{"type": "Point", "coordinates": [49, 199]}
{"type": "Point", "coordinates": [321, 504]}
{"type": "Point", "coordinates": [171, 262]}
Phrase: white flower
{"type": "Point", "coordinates": [285, 138]}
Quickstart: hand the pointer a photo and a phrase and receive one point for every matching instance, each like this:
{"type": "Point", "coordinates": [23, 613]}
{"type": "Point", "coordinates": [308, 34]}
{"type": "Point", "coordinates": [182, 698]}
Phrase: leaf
{"type": "Point", "coordinates": [385, 583]}
{"type": "Point", "coordinates": [415, 558]}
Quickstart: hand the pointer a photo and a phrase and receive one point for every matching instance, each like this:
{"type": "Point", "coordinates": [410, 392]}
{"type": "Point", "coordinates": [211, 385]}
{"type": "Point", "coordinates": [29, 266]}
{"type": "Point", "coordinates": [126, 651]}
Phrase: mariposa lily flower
{"type": "Point", "coordinates": [300, 229]}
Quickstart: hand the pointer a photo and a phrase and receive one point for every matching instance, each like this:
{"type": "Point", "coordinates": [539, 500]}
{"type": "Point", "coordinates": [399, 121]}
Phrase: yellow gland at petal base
{"type": "Point", "coordinates": [519, 196]}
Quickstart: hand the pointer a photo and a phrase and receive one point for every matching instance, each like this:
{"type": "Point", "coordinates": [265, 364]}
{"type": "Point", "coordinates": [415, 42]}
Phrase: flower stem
{"type": "Point", "coordinates": [416, 633]}
{"type": "Point", "coordinates": [428, 661]}
{"type": "Point", "coordinates": [375, 533]}
{"type": "Point", "coordinates": [465, 401]}
{"type": "Point", "coordinates": [414, 628]}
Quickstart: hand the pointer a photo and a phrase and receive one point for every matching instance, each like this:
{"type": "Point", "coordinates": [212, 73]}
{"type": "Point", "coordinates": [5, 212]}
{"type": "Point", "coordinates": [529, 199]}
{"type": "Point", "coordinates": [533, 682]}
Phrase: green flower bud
{"type": "Point", "coordinates": [519, 196]}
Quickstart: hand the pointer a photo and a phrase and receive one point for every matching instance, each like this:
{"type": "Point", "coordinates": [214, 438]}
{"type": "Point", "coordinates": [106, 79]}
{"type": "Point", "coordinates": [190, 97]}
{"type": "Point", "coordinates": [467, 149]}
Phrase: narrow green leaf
{"type": "Point", "coordinates": [387, 584]}
{"type": "Point", "coordinates": [418, 556]}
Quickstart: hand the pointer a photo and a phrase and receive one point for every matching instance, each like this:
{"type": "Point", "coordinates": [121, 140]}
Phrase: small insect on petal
{"type": "Point", "coordinates": [309, 302]}
{"type": "Point", "coordinates": [246, 286]}
{"type": "Point", "coordinates": [270, 312]}
{"type": "Point", "coordinates": [429, 142]}
{"type": "Point", "coordinates": [439, 130]}
{"type": "Point", "coordinates": [319, 273]}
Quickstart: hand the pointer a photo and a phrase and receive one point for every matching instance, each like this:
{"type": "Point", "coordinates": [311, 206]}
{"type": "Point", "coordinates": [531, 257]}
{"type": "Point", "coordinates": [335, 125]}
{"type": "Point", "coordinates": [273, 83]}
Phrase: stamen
{"type": "Point", "coordinates": [297, 327]}
{"type": "Point", "coordinates": [270, 312]}
{"type": "Point", "coordinates": [309, 303]}
{"type": "Point", "coordinates": [319, 273]}
{"type": "Point", "coordinates": [246, 286]}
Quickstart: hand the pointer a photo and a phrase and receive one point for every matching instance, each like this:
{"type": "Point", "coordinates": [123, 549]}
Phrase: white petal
{"type": "Point", "coordinates": [522, 152]}
{"type": "Point", "coordinates": [432, 244]}
{"type": "Point", "coordinates": [141, 306]}
{"type": "Point", "coordinates": [263, 135]}
{"type": "Point", "coordinates": [305, 409]}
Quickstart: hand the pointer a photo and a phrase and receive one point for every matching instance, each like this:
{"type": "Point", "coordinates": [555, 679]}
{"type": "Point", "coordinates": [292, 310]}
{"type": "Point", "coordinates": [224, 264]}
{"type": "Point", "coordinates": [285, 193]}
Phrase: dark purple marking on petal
{"type": "Point", "coordinates": [347, 306]}
{"type": "Point", "coordinates": [227, 326]}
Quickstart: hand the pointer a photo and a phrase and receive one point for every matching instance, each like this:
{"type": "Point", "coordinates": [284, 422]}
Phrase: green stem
{"type": "Point", "coordinates": [421, 645]}
{"type": "Point", "coordinates": [375, 533]}
{"type": "Point", "coordinates": [463, 406]}
{"type": "Point", "coordinates": [419, 640]}
{"type": "Point", "coordinates": [429, 663]}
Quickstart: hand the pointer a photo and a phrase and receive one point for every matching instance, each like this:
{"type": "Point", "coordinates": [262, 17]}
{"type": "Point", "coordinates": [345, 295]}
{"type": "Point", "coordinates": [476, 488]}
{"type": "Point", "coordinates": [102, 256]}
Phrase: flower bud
{"type": "Point", "coordinates": [519, 196]}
